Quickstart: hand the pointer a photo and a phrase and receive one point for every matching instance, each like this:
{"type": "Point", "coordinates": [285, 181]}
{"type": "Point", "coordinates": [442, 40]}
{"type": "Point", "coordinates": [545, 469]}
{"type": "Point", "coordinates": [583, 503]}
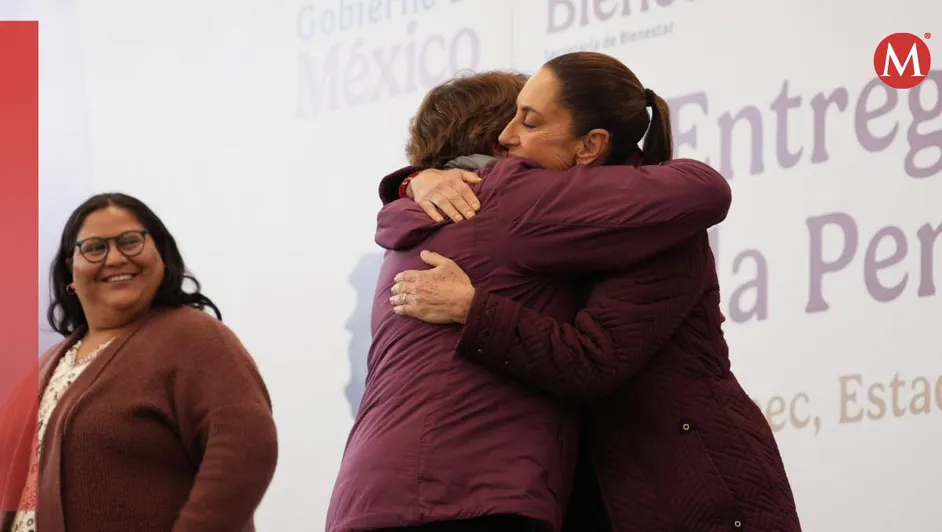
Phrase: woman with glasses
{"type": "Point", "coordinates": [152, 415]}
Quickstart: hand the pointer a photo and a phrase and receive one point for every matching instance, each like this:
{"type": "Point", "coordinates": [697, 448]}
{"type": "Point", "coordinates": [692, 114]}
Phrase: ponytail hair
{"type": "Point", "coordinates": [602, 93]}
{"type": "Point", "coordinates": [658, 144]}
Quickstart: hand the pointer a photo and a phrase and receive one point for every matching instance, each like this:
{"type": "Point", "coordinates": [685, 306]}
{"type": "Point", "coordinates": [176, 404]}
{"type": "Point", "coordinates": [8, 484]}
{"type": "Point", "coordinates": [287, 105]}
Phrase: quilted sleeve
{"type": "Point", "coordinates": [626, 321]}
{"type": "Point", "coordinates": [606, 218]}
{"type": "Point", "coordinates": [389, 185]}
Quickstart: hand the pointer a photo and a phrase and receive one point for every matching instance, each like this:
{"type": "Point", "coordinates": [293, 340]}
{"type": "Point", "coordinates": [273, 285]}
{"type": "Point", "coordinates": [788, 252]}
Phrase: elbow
{"type": "Point", "coordinates": [715, 196]}
{"type": "Point", "coordinates": [722, 198]}
{"type": "Point", "coordinates": [261, 460]}
{"type": "Point", "coordinates": [267, 450]}
{"type": "Point", "coordinates": [260, 448]}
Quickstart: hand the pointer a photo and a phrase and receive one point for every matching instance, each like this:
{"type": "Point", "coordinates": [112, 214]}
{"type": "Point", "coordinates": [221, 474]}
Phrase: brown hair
{"type": "Point", "coordinates": [463, 116]}
{"type": "Point", "coordinates": [602, 93]}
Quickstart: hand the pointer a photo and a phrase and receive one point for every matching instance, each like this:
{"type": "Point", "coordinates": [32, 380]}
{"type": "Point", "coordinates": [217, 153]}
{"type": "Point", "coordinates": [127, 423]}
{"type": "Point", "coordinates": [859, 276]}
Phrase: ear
{"type": "Point", "coordinates": [592, 147]}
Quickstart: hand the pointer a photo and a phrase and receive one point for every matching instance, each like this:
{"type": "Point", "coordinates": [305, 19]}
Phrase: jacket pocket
{"type": "Point", "coordinates": [724, 514]}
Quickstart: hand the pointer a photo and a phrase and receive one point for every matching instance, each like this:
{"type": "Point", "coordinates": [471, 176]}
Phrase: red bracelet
{"type": "Point", "coordinates": [403, 188]}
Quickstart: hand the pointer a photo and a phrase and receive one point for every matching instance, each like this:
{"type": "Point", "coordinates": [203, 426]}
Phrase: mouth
{"type": "Point", "coordinates": [119, 278]}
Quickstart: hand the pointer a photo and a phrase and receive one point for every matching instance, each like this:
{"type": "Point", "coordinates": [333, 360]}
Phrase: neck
{"type": "Point", "coordinates": [97, 334]}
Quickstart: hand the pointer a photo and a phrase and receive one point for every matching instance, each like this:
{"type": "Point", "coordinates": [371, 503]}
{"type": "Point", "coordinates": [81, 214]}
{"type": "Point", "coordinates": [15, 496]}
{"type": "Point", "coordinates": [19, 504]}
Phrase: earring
{"type": "Point", "coordinates": [70, 288]}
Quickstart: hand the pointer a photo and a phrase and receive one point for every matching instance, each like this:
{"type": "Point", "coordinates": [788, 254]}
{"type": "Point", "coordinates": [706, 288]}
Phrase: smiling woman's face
{"type": "Point", "coordinates": [115, 281]}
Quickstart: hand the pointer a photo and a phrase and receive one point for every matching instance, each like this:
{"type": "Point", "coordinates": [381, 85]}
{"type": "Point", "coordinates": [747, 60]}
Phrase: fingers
{"type": "Point", "coordinates": [470, 199]}
{"type": "Point", "coordinates": [406, 310]}
{"type": "Point", "coordinates": [401, 289]}
{"type": "Point", "coordinates": [406, 284]}
{"type": "Point", "coordinates": [445, 205]}
{"type": "Point", "coordinates": [446, 192]}
{"type": "Point", "coordinates": [470, 177]}
{"type": "Point", "coordinates": [407, 276]}
{"type": "Point", "coordinates": [431, 210]}
{"type": "Point", "coordinates": [433, 259]}
{"type": "Point", "coordinates": [398, 300]}
{"type": "Point", "coordinates": [463, 198]}
{"type": "Point", "coordinates": [458, 200]}
{"type": "Point", "coordinates": [465, 194]}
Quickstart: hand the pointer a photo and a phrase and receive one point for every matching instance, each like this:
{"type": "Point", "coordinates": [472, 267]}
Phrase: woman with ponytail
{"type": "Point", "coordinates": [151, 413]}
{"type": "Point", "coordinates": [670, 440]}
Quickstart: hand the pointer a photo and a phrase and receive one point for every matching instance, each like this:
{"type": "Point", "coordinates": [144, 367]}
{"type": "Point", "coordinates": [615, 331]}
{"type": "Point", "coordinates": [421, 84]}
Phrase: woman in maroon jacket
{"type": "Point", "coordinates": [440, 442]}
{"type": "Point", "coordinates": [671, 441]}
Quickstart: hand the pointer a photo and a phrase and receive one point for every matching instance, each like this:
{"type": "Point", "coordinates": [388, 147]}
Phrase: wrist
{"type": "Point", "coordinates": [464, 307]}
{"type": "Point", "coordinates": [405, 188]}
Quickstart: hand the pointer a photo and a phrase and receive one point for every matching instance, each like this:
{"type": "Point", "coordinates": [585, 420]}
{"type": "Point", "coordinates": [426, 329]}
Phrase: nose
{"type": "Point", "coordinates": [114, 256]}
{"type": "Point", "coordinates": [508, 138]}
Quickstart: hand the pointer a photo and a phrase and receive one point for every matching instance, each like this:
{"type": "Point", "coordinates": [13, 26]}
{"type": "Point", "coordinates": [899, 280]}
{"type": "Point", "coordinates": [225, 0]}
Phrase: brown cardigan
{"type": "Point", "coordinates": [169, 428]}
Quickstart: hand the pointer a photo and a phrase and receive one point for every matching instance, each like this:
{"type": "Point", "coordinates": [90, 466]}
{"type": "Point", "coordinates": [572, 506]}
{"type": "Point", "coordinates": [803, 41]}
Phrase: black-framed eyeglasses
{"type": "Point", "coordinates": [129, 243]}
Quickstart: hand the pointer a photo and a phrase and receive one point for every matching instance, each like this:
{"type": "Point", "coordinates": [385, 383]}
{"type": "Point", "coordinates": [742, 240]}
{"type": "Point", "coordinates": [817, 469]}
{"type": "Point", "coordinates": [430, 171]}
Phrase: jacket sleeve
{"type": "Point", "coordinates": [226, 424]}
{"type": "Point", "coordinates": [608, 218]}
{"type": "Point", "coordinates": [626, 321]}
{"type": "Point", "coordinates": [402, 224]}
{"type": "Point", "coordinates": [389, 185]}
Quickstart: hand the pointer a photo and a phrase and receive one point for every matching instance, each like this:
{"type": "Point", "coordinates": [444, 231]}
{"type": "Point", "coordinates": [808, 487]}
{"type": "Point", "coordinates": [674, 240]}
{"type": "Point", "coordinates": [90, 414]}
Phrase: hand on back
{"type": "Point", "coordinates": [445, 192]}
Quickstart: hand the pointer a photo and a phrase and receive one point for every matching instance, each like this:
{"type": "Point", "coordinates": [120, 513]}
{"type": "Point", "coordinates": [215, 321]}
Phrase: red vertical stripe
{"type": "Point", "coordinates": [19, 252]}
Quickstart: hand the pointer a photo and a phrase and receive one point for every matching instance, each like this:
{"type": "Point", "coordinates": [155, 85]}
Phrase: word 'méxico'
{"type": "Point", "coordinates": [354, 74]}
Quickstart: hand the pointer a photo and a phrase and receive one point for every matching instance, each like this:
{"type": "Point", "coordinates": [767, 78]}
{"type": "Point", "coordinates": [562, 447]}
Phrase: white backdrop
{"type": "Point", "coordinates": [259, 129]}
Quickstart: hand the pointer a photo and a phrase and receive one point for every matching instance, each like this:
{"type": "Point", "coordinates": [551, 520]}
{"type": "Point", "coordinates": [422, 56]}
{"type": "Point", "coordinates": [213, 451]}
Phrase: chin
{"type": "Point", "coordinates": [122, 303]}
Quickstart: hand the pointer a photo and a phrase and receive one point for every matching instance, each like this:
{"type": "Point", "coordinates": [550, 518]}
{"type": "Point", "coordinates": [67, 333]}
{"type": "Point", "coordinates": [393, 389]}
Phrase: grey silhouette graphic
{"type": "Point", "coordinates": [363, 279]}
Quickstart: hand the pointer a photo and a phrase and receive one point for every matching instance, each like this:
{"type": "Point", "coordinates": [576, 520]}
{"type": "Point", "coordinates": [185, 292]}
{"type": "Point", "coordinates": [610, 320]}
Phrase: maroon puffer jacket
{"type": "Point", "coordinates": [440, 438]}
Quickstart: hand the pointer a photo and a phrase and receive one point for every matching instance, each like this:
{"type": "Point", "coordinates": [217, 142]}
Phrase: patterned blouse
{"type": "Point", "coordinates": [64, 375]}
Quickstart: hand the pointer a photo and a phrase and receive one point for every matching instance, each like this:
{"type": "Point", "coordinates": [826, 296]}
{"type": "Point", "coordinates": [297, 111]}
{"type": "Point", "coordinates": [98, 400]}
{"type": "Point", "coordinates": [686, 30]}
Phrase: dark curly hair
{"type": "Point", "coordinates": [463, 116]}
{"type": "Point", "coordinates": [65, 313]}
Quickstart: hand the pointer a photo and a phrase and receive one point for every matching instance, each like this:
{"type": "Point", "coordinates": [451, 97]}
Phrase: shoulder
{"type": "Point", "coordinates": [509, 165]}
{"type": "Point", "coordinates": [193, 334]}
{"type": "Point", "coordinates": [527, 173]}
{"type": "Point", "coordinates": [187, 320]}
{"type": "Point", "coordinates": [508, 171]}
{"type": "Point", "coordinates": [517, 182]}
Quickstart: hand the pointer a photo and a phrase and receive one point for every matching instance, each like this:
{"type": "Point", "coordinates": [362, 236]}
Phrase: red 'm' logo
{"type": "Point", "coordinates": [902, 60]}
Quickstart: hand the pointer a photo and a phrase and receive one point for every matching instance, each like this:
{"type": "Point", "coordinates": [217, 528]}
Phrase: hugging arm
{"type": "Point", "coordinates": [599, 219]}
{"type": "Point", "coordinates": [607, 218]}
{"type": "Point", "coordinates": [626, 321]}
